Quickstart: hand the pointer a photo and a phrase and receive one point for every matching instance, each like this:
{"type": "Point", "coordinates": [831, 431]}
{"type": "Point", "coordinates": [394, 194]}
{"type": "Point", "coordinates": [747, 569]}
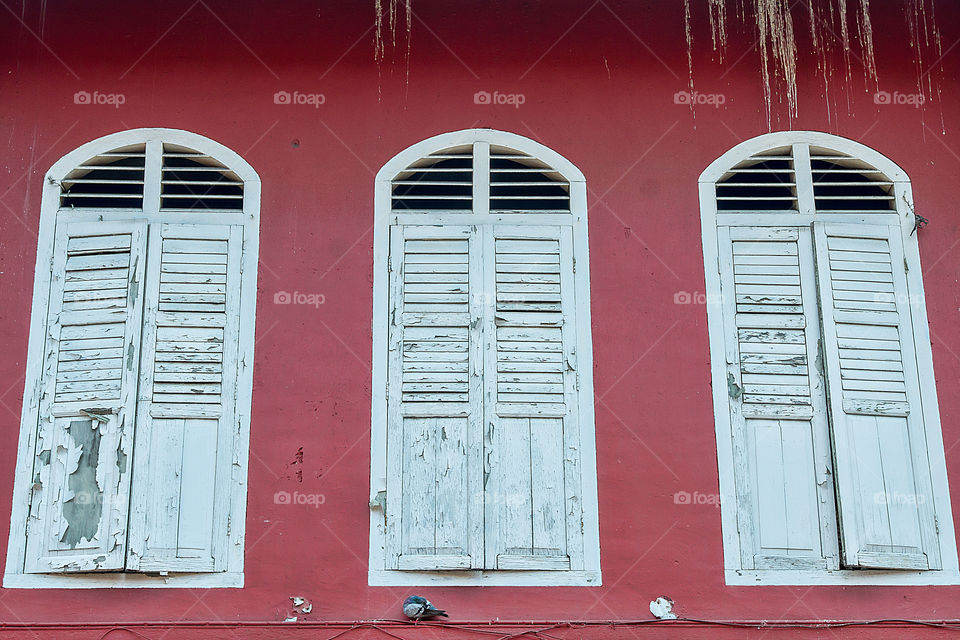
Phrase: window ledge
{"type": "Point", "coordinates": [485, 578]}
{"type": "Point", "coordinates": [842, 577]}
{"type": "Point", "coordinates": [121, 580]}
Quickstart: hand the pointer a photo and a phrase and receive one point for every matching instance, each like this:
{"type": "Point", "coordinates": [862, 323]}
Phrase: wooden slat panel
{"type": "Point", "coordinates": [187, 391]}
{"type": "Point", "coordinates": [81, 491]}
{"type": "Point", "coordinates": [883, 480]}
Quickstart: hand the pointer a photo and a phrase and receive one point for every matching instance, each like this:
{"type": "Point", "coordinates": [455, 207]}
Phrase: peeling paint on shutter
{"type": "Point", "coordinates": [779, 419]}
{"type": "Point", "coordinates": [883, 476]}
{"type": "Point", "coordinates": [836, 214]}
{"type": "Point", "coordinates": [483, 452]}
{"type": "Point", "coordinates": [533, 505]}
{"type": "Point", "coordinates": [434, 503]}
{"type": "Point", "coordinates": [188, 381]}
{"type": "Point", "coordinates": [80, 496]}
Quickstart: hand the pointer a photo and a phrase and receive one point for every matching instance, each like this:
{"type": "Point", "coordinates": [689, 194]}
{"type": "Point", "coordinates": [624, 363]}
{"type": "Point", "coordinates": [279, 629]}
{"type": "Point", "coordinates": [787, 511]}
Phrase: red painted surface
{"type": "Point", "coordinates": [602, 95]}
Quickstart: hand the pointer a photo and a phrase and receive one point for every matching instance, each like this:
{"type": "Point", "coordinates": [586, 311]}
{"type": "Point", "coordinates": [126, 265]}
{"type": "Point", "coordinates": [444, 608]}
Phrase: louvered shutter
{"type": "Point", "coordinates": [434, 493]}
{"type": "Point", "coordinates": [185, 436]}
{"type": "Point", "coordinates": [79, 500]}
{"type": "Point", "coordinates": [882, 471]}
{"type": "Point", "coordinates": [775, 392]}
{"type": "Point", "coordinates": [532, 443]}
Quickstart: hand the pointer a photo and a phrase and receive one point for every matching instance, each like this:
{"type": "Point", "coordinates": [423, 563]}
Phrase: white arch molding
{"type": "Point", "coordinates": [245, 238]}
{"type": "Point", "coordinates": [585, 565]}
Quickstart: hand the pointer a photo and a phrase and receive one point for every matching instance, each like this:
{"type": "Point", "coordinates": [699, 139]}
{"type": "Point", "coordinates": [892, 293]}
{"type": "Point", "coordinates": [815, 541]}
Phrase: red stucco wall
{"type": "Point", "coordinates": [598, 84]}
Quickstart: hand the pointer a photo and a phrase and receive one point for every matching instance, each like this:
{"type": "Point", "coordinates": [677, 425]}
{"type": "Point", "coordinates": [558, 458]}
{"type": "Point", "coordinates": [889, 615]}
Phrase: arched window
{"type": "Point", "coordinates": [136, 412]}
{"type": "Point", "coordinates": [830, 450]}
{"type": "Point", "coordinates": [483, 462]}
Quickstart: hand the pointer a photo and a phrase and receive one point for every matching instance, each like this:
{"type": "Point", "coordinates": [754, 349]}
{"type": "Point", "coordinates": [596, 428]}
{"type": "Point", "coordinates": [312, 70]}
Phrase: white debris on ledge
{"type": "Point", "coordinates": [662, 608]}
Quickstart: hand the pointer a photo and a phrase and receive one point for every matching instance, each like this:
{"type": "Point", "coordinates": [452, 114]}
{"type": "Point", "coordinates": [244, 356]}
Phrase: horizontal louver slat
{"type": "Point", "coordinates": [871, 366]}
{"type": "Point", "coordinates": [528, 324]}
{"type": "Point", "coordinates": [771, 329]}
{"type": "Point", "coordinates": [93, 323]}
{"type": "Point", "coordinates": [191, 310]}
{"type": "Point", "coordinates": [435, 356]}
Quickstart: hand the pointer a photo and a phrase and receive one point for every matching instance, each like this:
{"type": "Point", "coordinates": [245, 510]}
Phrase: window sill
{"type": "Point", "coordinates": [121, 580]}
{"type": "Point", "coordinates": [842, 577]}
{"type": "Point", "coordinates": [485, 578]}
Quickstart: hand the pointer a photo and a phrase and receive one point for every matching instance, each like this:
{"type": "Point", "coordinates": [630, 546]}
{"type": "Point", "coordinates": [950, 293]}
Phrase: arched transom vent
{"type": "Point", "coordinates": [196, 182]}
{"type": "Point", "coordinates": [112, 180]}
{"type": "Point", "coordinates": [450, 181]}
{"type": "Point", "coordinates": [843, 183]}
{"type": "Point", "coordinates": [767, 183]}
{"type": "Point", "coordinates": [443, 181]}
{"type": "Point", "coordinates": [190, 181]}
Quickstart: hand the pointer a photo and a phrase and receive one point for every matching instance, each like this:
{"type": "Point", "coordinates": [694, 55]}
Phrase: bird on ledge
{"type": "Point", "coordinates": [419, 608]}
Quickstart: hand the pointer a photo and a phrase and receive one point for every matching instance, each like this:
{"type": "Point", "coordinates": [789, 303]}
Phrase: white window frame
{"type": "Point", "coordinates": [903, 217]}
{"type": "Point", "coordinates": [14, 577]}
{"type": "Point", "coordinates": [384, 218]}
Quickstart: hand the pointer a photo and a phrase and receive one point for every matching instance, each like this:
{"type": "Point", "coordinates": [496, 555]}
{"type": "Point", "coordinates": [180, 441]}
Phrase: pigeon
{"type": "Point", "coordinates": [662, 608]}
{"type": "Point", "coordinates": [419, 608]}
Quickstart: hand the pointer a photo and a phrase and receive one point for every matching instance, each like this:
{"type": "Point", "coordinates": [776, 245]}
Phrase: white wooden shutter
{"type": "Point", "coordinates": [882, 471]}
{"type": "Point", "coordinates": [79, 501]}
{"type": "Point", "coordinates": [185, 439]}
{"type": "Point", "coordinates": [777, 411]}
{"type": "Point", "coordinates": [434, 491]}
{"type": "Point", "coordinates": [533, 518]}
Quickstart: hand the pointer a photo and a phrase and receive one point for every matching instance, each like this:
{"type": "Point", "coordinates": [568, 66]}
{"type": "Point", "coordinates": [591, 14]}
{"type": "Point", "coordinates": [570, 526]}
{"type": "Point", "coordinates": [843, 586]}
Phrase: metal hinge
{"type": "Point", "coordinates": [379, 501]}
